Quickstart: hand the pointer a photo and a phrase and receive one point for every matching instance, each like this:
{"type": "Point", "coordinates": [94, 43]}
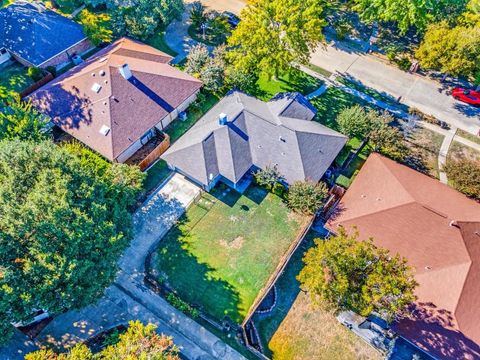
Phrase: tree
{"type": "Point", "coordinates": [137, 343]}
{"type": "Point", "coordinates": [274, 33]}
{"type": "Point", "coordinates": [407, 13]}
{"type": "Point", "coordinates": [267, 177]}
{"type": "Point", "coordinates": [64, 223]}
{"type": "Point", "coordinates": [95, 26]}
{"type": "Point", "coordinates": [465, 176]}
{"type": "Point", "coordinates": [455, 51]}
{"type": "Point", "coordinates": [197, 14]}
{"type": "Point", "coordinates": [197, 58]}
{"type": "Point", "coordinates": [144, 17]}
{"type": "Point", "coordinates": [354, 122]}
{"type": "Point", "coordinates": [342, 272]}
{"type": "Point", "coordinates": [375, 129]}
{"type": "Point", "coordinates": [307, 197]}
{"type": "Point", "coordinates": [19, 120]}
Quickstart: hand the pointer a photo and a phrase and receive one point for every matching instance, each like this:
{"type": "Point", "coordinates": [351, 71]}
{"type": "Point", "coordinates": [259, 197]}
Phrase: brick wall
{"type": "Point", "coordinates": [64, 58]}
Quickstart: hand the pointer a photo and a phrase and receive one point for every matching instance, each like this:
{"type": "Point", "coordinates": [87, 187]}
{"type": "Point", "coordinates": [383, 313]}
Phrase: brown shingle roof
{"type": "Point", "coordinates": [438, 230]}
{"type": "Point", "coordinates": [128, 107]}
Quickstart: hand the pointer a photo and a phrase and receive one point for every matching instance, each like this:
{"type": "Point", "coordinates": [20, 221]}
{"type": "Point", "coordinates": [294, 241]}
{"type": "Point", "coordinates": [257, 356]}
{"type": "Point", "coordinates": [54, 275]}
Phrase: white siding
{"type": "Point", "coordinates": [129, 152]}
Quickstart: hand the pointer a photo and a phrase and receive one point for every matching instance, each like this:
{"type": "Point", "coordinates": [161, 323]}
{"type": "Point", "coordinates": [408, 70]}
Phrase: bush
{"type": "Point", "coordinates": [35, 73]}
{"type": "Point", "coordinates": [404, 63]}
{"type": "Point", "coordinates": [307, 197]}
{"type": "Point", "coordinates": [267, 177]}
{"type": "Point", "coordinates": [279, 190]}
{"type": "Point", "coordinates": [52, 70]}
{"type": "Point", "coordinates": [182, 305]}
{"type": "Point", "coordinates": [464, 174]}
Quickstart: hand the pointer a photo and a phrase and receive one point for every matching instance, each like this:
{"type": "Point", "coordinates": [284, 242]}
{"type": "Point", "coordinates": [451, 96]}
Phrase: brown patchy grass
{"type": "Point", "coordinates": [313, 333]}
{"type": "Point", "coordinates": [458, 151]}
{"type": "Point", "coordinates": [424, 146]}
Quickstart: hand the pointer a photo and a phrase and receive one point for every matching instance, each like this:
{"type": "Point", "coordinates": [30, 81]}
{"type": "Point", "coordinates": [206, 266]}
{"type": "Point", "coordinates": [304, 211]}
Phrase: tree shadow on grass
{"type": "Point", "coordinates": [196, 283]}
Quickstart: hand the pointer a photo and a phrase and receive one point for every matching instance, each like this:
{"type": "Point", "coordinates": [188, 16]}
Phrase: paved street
{"type": "Point", "coordinates": [129, 299]}
{"type": "Point", "coordinates": [415, 91]}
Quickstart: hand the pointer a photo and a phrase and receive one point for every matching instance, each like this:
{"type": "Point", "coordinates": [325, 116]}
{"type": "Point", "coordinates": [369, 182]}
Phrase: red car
{"type": "Point", "coordinates": [467, 96]}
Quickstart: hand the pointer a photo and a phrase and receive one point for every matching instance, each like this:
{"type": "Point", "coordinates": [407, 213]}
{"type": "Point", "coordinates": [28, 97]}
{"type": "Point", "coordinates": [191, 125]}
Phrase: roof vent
{"type": "Point", "coordinates": [93, 74]}
{"type": "Point", "coordinates": [428, 267]}
{"type": "Point", "coordinates": [222, 119]}
{"type": "Point", "coordinates": [282, 139]}
{"type": "Point", "coordinates": [125, 71]}
{"type": "Point", "coordinates": [103, 59]}
{"type": "Point", "coordinates": [454, 223]}
{"type": "Point", "coordinates": [104, 130]}
{"type": "Point", "coordinates": [96, 87]}
{"type": "Point", "coordinates": [101, 73]}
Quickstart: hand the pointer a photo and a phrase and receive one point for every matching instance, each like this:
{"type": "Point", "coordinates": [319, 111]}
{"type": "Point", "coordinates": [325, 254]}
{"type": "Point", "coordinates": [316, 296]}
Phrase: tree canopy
{"type": "Point", "coordinates": [307, 197]}
{"type": "Point", "coordinates": [453, 50]}
{"type": "Point", "coordinates": [64, 223]}
{"type": "Point", "coordinates": [137, 343]}
{"type": "Point", "coordinates": [342, 272]}
{"type": "Point", "coordinates": [407, 13]}
{"type": "Point", "coordinates": [275, 33]}
{"type": "Point", "coordinates": [96, 26]}
{"type": "Point", "coordinates": [464, 174]}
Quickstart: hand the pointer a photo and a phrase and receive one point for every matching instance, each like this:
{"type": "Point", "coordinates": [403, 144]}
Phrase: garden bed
{"type": "Point", "coordinates": [225, 248]}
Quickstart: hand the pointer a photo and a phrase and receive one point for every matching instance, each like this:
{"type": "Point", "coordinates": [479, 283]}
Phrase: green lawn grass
{"type": "Point", "coordinates": [468, 136]}
{"type": "Point", "coordinates": [156, 175]}
{"type": "Point", "coordinates": [319, 70]}
{"type": "Point", "coordinates": [296, 80]}
{"type": "Point", "coordinates": [158, 41]}
{"type": "Point", "coordinates": [14, 78]}
{"type": "Point", "coordinates": [177, 128]}
{"type": "Point", "coordinates": [223, 251]}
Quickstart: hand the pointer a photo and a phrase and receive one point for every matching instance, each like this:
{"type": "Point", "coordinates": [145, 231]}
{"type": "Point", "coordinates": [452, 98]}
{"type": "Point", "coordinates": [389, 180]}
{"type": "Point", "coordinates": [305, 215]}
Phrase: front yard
{"type": "Point", "coordinates": [223, 251]}
{"type": "Point", "coordinates": [14, 77]}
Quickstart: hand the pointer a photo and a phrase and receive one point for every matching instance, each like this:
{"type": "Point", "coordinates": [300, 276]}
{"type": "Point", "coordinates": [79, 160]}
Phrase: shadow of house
{"type": "Point", "coordinates": [438, 335]}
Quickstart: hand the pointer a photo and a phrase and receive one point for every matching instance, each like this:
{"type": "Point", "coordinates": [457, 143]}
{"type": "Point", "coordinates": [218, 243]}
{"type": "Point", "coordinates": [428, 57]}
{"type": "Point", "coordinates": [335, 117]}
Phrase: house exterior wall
{"type": "Point", "coordinates": [167, 120]}
{"type": "Point", "coordinates": [63, 58]}
{"type": "Point", "coordinates": [5, 56]}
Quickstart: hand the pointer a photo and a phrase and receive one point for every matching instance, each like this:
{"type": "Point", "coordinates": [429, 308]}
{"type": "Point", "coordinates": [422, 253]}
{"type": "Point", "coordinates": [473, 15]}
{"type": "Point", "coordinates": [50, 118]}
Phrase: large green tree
{"type": "Point", "coordinates": [139, 342]}
{"type": "Point", "coordinates": [146, 16]}
{"type": "Point", "coordinates": [307, 197]}
{"type": "Point", "coordinates": [407, 13]}
{"type": "Point", "coordinates": [343, 272]}
{"type": "Point", "coordinates": [275, 33]}
{"type": "Point", "coordinates": [453, 50]}
{"type": "Point", "coordinates": [64, 222]}
{"type": "Point", "coordinates": [19, 120]}
{"type": "Point", "coordinates": [464, 174]}
{"type": "Point", "coordinates": [96, 26]}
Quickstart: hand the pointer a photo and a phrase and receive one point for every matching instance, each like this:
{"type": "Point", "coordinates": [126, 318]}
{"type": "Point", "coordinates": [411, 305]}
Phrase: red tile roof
{"type": "Point", "coordinates": [129, 108]}
{"type": "Point", "coordinates": [438, 230]}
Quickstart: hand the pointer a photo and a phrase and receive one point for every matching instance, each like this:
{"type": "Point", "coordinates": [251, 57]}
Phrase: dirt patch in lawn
{"type": "Point", "coordinates": [237, 243]}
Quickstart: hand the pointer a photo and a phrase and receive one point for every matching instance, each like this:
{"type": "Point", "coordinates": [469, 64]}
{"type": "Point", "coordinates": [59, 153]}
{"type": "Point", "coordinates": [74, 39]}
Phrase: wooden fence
{"type": "Point", "coordinates": [156, 153]}
{"type": "Point", "coordinates": [37, 85]}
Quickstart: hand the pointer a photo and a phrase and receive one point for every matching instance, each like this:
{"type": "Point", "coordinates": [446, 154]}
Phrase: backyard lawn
{"type": "Point", "coordinates": [158, 41]}
{"type": "Point", "coordinates": [14, 78]}
{"type": "Point", "coordinates": [223, 251]}
{"type": "Point", "coordinates": [295, 81]}
{"type": "Point", "coordinates": [295, 330]}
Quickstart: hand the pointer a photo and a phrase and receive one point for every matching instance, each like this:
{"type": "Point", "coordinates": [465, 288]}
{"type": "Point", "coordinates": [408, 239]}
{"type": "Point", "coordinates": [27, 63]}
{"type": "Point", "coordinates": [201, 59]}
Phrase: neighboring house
{"type": "Point", "coordinates": [36, 36]}
{"type": "Point", "coordinates": [438, 230]}
{"type": "Point", "coordinates": [242, 133]}
{"type": "Point", "coordinates": [114, 101]}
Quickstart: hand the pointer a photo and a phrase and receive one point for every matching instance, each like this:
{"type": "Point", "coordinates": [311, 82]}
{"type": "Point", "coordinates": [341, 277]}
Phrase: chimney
{"type": "Point", "coordinates": [222, 119]}
{"type": "Point", "coordinates": [125, 71]}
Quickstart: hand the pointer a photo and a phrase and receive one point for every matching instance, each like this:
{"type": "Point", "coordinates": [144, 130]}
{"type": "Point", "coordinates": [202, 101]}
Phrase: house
{"type": "Point", "coordinates": [114, 101]}
{"type": "Point", "coordinates": [242, 133]}
{"type": "Point", "coordinates": [36, 36]}
{"type": "Point", "coordinates": [438, 230]}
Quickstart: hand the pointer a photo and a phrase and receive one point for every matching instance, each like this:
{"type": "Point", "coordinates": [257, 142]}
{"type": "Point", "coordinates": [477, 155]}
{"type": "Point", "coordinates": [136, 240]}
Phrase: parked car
{"type": "Point", "coordinates": [467, 96]}
{"type": "Point", "coordinates": [232, 19]}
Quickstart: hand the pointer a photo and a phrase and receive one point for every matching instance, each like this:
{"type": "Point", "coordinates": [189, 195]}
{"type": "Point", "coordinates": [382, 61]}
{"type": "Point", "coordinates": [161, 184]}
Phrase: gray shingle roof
{"type": "Point", "coordinates": [280, 132]}
{"type": "Point", "coordinates": [36, 34]}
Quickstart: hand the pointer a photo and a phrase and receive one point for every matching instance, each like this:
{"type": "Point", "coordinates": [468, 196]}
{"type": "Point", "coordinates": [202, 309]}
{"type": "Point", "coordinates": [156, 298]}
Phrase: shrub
{"type": "Point", "coordinates": [35, 73]}
{"type": "Point", "coordinates": [464, 174]}
{"type": "Point", "coordinates": [279, 190]}
{"type": "Point", "coordinates": [307, 197]}
{"type": "Point", "coordinates": [404, 63]}
{"type": "Point", "coordinates": [267, 177]}
{"type": "Point", "coordinates": [182, 305]}
{"type": "Point", "coordinates": [52, 70]}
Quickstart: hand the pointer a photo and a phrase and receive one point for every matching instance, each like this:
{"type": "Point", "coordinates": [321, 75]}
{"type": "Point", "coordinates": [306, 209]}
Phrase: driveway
{"type": "Point", "coordinates": [414, 90]}
{"type": "Point", "coordinates": [129, 299]}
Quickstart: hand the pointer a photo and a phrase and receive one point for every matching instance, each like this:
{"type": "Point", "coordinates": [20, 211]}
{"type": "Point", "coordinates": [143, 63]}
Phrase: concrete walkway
{"type": "Point", "coordinates": [129, 299]}
{"type": "Point", "coordinates": [443, 153]}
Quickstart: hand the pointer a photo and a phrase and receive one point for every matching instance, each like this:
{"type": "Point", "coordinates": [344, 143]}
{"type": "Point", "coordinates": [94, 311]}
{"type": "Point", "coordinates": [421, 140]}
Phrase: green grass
{"type": "Point", "coordinates": [371, 92]}
{"type": "Point", "coordinates": [295, 81]}
{"type": "Point", "coordinates": [223, 251]}
{"type": "Point", "coordinates": [177, 128]}
{"type": "Point", "coordinates": [14, 78]}
{"type": "Point", "coordinates": [468, 136]}
{"type": "Point", "coordinates": [331, 103]}
{"type": "Point", "coordinates": [155, 175]}
{"type": "Point", "coordinates": [158, 42]}
{"type": "Point", "coordinates": [319, 70]}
